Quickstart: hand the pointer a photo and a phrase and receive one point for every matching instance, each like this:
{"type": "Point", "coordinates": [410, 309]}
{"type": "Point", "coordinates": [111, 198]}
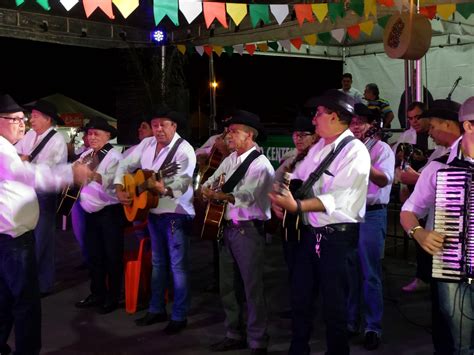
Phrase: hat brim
{"type": "Point", "coordinates": [441, 114]}
{"type": "Point", "coordinates": [54, 115]}
{"type": "Point", "coordinates": [262, 136]}
{"type": "Point", "coordinates": [329, 102]}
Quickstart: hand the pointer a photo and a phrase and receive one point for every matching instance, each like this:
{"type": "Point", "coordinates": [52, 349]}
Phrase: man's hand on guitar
{"type": "Point", "coordinates": [284, 201]}
{"type": "Point", "coordinates": [82, 173]}
{"type": "Point", "coordinates": [122, 195]}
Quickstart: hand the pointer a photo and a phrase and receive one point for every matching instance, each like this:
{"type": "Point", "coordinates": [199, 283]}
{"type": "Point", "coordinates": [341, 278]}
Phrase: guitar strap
{"type": "Point", "coordinates": [240, 172]}
{"type": "Point", "coordinates": [41, 145]}
{"type": "Point", "coordinates": [171, 153]}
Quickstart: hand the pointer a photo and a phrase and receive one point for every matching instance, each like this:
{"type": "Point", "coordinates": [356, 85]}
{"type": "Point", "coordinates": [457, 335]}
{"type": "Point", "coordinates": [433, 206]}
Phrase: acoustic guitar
{"type": "Point", "coordinates": [140, 189]}
{"type": "Point", "coordinates": [212, 163]}
{"type": "Point", "coordinates": [211, 228]}
{"type": "Point", "coordinates": [292, 221]}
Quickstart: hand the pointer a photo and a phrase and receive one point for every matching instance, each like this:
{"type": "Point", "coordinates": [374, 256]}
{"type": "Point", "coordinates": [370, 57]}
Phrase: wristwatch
{"type": "Point", "coordinates": [411, 232]}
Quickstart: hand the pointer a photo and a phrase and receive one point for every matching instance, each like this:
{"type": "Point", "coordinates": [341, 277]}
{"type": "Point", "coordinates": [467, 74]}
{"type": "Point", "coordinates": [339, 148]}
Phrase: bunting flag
{"type": "Point", "coordinates": [239, 48]}
{"type": "Point", "coordinates": [445, 11]}
{"type": "Point", "coordinates": [428, 11]}
{"type": "Point", "coordinates": [162, 8]}
{"type": "Point", "coordinates": [324, 37]}
{"type": "Point", "coordinates": [357, 6]}
{"type": "Point", "coordinates": [311, 39]}
{"type": "Point", "coordinates": [336, 10]}
{"type": "Point", "coordinates": [68, 4]}
{"type": "Point", "coordinates": [237, 12]}
{"type": "Point", "coordinates": [208, 50]}
{"type": "Point", "coordinates": [382, 21]}
{"type": "Point", "coordinates": [465, 9]}
{"type": "Point", "coordinates": [190, 9]}
{"type": "Point", "coordinates": [105, 5]}
{"type": "Point", "coordinates": [320, 11]}
{"type": "Point", "coordinates": [21, 2]}
{"type": "Point", "coordinates": [296, 42]}
{"type": "Point", "coordinates": [229, 50]}
{"type": "Point", "coordinates": [181, 48]}
{"type": "Point", "coordinates": [303, 12]}
{"type": "Point", "coordinates": [190, 48]}
{"type": "Point", "coordinates": [259, 12]}
{"type": "Point", "coordinates": [274, 46]}
{"type": "Point", "coordinates": [370, 7]}
{"type": "Point", "coordinates": [338, 34]}
{"type": "Point", "coordinates": [262, 47]}
{"type": "Point", "coordinates": [214, 10]}
{"type": "Point", "coordinates": [126, 7]}
{"type": "Point", "coordinates": [388, 3]}
{"type": "Point", "coordinates": [250, 48]}
{"type": "Point", "coordinates": [44, 4]}
{"type": "Point", "coordinates": [285, 44]}
{"type": "Point", "coordinates": [280, 12]}
{"type": "Point", "coordinates": [367, 27]}
{"type": "Point", "coordinates": [354, 31]}
{"type": "Point", "coordinates": [218, 50]}
{"type": "Point", "coordinates": [200, 50]}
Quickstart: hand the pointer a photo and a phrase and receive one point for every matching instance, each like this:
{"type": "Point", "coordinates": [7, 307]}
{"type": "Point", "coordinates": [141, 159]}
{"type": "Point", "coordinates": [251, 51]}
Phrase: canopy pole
{"type": "Point", "coordinates": [163, 67]}
{"type": "Point", "coordinates": [418, 72]}
{"type": "Point", "coordinates": [212, 96]}
{"type": "Point", "coordinates": [407, 89]}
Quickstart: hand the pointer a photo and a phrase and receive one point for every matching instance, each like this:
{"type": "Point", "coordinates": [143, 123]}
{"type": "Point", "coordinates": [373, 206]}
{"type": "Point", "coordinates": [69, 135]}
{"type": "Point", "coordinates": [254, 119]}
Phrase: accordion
{"type": "Point", "coordinates": [454, 218]}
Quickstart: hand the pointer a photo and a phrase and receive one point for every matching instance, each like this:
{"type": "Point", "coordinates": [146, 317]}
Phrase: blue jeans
{"type": "Point", "coordinates": [365, 279]}
{"type": "Point", "coordinates": [456, 302]}
{"type": "Point", "coordinates": [169, 233]}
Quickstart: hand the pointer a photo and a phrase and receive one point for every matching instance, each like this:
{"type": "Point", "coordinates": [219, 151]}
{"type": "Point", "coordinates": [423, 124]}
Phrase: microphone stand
{"type": "Point", "coordinates": [454, 87]}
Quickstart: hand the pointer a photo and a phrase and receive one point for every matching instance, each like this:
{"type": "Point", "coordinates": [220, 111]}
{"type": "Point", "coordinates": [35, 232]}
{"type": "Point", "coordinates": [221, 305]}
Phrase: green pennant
{"type": "Point", "coordinates": [382, 21]}
{"type": "Point", "coordinates": [357, 6]}
{"type": "Point", "coordinates": [336, 10]}
{"type": "Point", "coordinates": [19, 2]}
{"type": "Point", "coordinates": [324, 37]}
{"type": "Point", "coordinates": [190, 49]}
{"type": "Point", "coordinates": [162, 8]}
{"type": "Point", "coordinates": [229, 50]}
{"type": "Point", "coordinates": [259, 12]}
{"type": "Point", "coordinates": [44, 4]}
{"type": "Point", "coordinates": [465, 9]}
{"type": "Point", "coordinates": [273, 45]}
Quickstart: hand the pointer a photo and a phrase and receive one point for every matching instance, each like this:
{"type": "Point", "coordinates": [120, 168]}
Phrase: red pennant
{"type": "Point", "coordinates": [428, 11]}
{"type": "Point", "coordinates": [250, 48]}
{"type": "Point", "coordinates": [214, 10]}
{"type": "Point", "coordinates": [296, 42]}
{"type": "Point", "coordinates": [388, 3]}
{"type": "Point", "coordinates": [208, 50]}
{"type": "Point", "coordinates": [105, 5]}
{"type": "Point", "coordinates": [354, 31]}
{"type": "Point", "coordinates": [303, 12]}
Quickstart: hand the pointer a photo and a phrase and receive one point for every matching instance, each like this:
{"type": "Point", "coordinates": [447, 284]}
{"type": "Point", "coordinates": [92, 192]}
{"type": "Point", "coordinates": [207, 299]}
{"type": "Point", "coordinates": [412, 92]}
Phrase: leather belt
{"type": "Point", "coordinates": [337, 227]}
{"type": "Point", "coordinates": [241, 224]}
{"type": "Point", "coordinates": [375, 207]}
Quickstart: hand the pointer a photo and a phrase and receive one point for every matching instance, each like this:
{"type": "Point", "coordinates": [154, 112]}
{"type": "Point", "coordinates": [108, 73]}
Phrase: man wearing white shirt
{"type": "Point", "coordinates": [44, 117]}
{"type": "Point", "coordinates": [331, 210]}
{"type": "Point", "coordinates": [347, 88]}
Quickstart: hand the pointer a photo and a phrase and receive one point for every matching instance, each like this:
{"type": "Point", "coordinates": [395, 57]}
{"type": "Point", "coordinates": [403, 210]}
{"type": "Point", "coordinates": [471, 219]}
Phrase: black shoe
{"type": "Point", "coordinates": [151, 318]}
{"type": "Point", "coordinates": [89, 301]}
{"type": "Point", "coordinates": [228, 344]}
{"type": "Point", "coordinates": [107, 307]}
{"type": "Point", "coordinates": [5, 349]}
{"type": "Point", "coordinates": [258, 351]}
{"type": "Point", "coordinates": [372, 340]}
{"type": "Point", "coordinates": [175, 326]}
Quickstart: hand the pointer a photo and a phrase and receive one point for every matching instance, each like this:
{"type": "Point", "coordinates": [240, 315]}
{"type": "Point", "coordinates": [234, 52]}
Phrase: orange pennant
{"type": "Point", "coordinates": [388, 3]}
{"type": "Point", "coordinates": [105, 5]}
{"type": "Point", "coordinates": [250, 48]}
{"type": "Point", "coordinates": [208, 50]}
{"type": "Point", "coordinates": [214, 10]}
{"type": "Point", "coordinates": [303, 12]}
{"type": "Point", "coordinates": [354, 31]}
{"type": "Point", "coordinates": [428, 11]}
{"type": "Point", "coordinates": [262, 47]}
{"type": "Point", "coordinates": [296, 42]}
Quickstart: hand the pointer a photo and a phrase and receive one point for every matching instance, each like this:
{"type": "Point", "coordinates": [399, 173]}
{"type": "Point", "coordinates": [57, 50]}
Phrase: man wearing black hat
{"type": "Point", "coordinates": [19, 292]}
{"type": "Point", "coordinates": [52, 150]}
{"type": "Point", "coordinates": [248, 179]}
{"type": "Point", "coordinates": [366, 266]}
{"type": "Point", "coordinates": [170, 222]}
{"type": "Point", "coordinates": [104, 219]}
{"type": "Point", "coordinates": [331, 203]}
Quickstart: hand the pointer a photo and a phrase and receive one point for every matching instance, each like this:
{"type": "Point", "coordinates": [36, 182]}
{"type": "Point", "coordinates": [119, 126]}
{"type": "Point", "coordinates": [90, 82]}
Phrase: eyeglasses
{"type": "Point", "coordinates": [301, 135]}
{"type": "Point", "coordinates": [15, 120]}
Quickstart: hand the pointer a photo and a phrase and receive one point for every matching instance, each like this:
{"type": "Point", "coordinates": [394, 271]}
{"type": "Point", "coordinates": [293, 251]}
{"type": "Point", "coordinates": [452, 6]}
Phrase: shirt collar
{"type": "Point", "coordinates": [45, 132]}
{"type": "Point", "coordinates": [240, 158]}
{"type": "Point", "coordinates": [454, 150]}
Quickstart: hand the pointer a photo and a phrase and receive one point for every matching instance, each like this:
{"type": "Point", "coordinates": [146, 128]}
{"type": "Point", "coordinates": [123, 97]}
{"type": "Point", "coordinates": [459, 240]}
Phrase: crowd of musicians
{"type": "Point", "coordinates": [330, 195]}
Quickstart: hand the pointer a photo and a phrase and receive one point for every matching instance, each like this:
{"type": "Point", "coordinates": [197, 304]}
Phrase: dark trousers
{"type": "Point", "coordinates": [104, 245]}
{"type": "Point", "coordinates": [327, 273]}
{"type": "Point", "coordinates": [20, 304]}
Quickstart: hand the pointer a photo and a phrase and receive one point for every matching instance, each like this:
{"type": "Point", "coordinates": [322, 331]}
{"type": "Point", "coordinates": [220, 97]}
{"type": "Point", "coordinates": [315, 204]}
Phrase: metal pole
{"type": "Point", "coordinates": [418, 72]}
{"type": "Point", "coordinates": [163, 67]}
{"type": "Point", "coordinates": [407, 89]}
{"type": "Point", "coordinates": [212, 96]}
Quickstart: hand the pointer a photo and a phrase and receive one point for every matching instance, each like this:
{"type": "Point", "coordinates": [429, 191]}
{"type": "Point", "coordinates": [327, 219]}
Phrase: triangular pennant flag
{"type": "Point", "coordinates": [446, 10]}
{"type": "Point", "coordinates": [190, 9]}
{"type": "Point", "coordinates": [190, 48]}
{"type": "Point", "coordinates": [367, 27]}
{"type": "Point", "coordinates": [181, 48]}
{"type": "Point", "coordinates": [274, 46]}
{"type": "Point", "coordinates": [68, 4]}
{"type": "Point", "coordinates": [229, 50]}
{"type": "Point", "coordinates": [370, 7]}
{"type": "Point", "coordinates": [320, 11]}
{"type": "Point", "coordinates": [465, 9]}
{"type": "Point", "coordinates": [428, 11]}
{"type": "Point", "coordinates": [162, 8]}
{"type": "Point", "coordinates": [199, 50]}
{"type": "Point", "coordinates": [382, 21]}
{"type": "Point", "coordinates": [286, 44]}
{"type": "Point", "coordinates": [214, 10]}
{"type": "Point", "coordinates": [208, 50]}
{"type": "Point", "coordinates": [296, 42]}
{"type": "Point", "coordinates": [250, 48]}
{"type": "Point", "coordinates": [324, 37]}
{"type": "Point", "coordinates": [237, 12]}
{"type": "Point", "coordinates": [44, 4]}
{"type": "Point", "coordinates": [338, 34]}
{"type": "Point", "coordinates": [357, 6]}
{"type": "Point", "coordinates": [218, 50]}
{"type": "Point", "coordinates": [239, 48]}
{"type": "Point", "coordinates": [20, 2]}
{"type": "Point", "coordinates": [126, 7]}
{"type": "Point", "coordinates": [335, 10]}
{"type": "Point", "coordinates": [354, 31]}
{"type": "Point", "coordinates": [280, 12]}
{"type": "Point", "coordinates": [262, 47]}
{"type": "Point", "coordinates": [303, 12]}
{"type": "Point", "coordinates": [388, 3]}
{"type": "Point", "coordinates": [259, 12]}
{"type": "Point", "coordinates": [105, 5]}
{"type": "Point", "coordinates": [311, 39]}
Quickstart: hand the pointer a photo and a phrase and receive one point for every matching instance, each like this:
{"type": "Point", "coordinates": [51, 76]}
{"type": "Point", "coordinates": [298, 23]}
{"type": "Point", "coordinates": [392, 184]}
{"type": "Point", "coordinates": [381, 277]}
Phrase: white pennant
{"type": "Point", "coordinates": [239, 48]}
{"type": "Point", "coordinates": [190, 9]}
{"type": "Point", "coordinates": [69, 4]}
{"type": "Point", "coordinates": [286, 44]}
{"type": "Point", "coordinates": [338, 34]}
{"type": "Point", "coordinates": [280, 12]}
{"type": "Point", "coordinates": [200, 50]}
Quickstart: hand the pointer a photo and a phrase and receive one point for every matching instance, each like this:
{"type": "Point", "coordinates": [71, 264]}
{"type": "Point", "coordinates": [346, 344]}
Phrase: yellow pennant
{"type": "Point", "coordinates": [370, 7]}
{"type": "Point", "coordinates": [311, 39]}
{"type": "Point", "coordinates": [181, 48]}
{"type": "Point", "coordinates": [446, 10]}
{"type": "Point", "coordinates": [262, 47]}
{"type": "Point", "coordinates": [320, 11]}
{"type": "Point", "coordinates": [367, 27]}
{"type": "Point", "coordinates": [237, 12]}
{"type": "Point", "coordinates": [126, 7]}
{"type": "Point", "coordinates": [218, 50]}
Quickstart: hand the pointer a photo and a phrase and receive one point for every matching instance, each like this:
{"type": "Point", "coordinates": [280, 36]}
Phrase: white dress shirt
{"type": "Point", "coordinates": [181, 184]}
{"type": "Point", "coordinates": [409, 136]}
{"type": "Point", "coordinates": [344, 194]}
{"type": "Point", "coordinates": [18, 181]}
{"type": "Point", "coordinates": [383, 159]}
{"type": "Point", "coordinates": [356, 94]}
{"type": "Point", "coordinates": [95, 196]}
{"type": "Point", "coordinates": [207, 146]}
{"type": "Point", "coordinates": [250, 193]}
{"type": "Point", "coordinates": [53, 153]}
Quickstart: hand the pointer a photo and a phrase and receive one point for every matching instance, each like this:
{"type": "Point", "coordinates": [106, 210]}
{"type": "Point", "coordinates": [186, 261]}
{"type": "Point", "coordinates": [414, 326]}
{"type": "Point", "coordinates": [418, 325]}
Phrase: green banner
{"type": "Point", "coordinates": [276, 146]}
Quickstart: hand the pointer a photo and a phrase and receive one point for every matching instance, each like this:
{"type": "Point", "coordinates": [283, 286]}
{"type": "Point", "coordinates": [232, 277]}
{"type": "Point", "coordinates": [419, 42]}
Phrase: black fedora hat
{"type": "Point", "coordinates": [334, 100]}
{"type": "Point", "coordinates": [102, 124]}
{"type": "Point", "coordinates": [47, 108]}
{"type": "Point", "coordinates": [303, 124]}
{"type": "Point", "coordinates": [8, 105]}
{"type": "Point", "coordinates": [166, 113]}
{"type": "Point", "coordinates": [248, 119]}
{"type": "Point", "coordinates": [443, 109]}
{"type": "Point", "coordinates": [363, 111]}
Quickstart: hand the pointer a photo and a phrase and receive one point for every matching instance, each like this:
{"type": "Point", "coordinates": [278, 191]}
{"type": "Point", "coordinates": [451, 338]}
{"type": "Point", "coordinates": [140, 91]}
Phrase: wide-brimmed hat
{"type": "Point", "coordinates": [166, 113]}
{"type": "Point", "coordinates": [334, 100]}
{"type": "Point", "coordinates": [8, 105]}
{"type": "Point", "coordinates": [363, 111]}
{"type": "Point", "coordinates": [248, 119]}
{"type": "Point", "coordinates": [466, 112]}
{"type": "Point", "coordinates": [102, 124]}
{"type": "Point", "coordinates": [303, 124]}
{"type": "Point", "coordinates": [443, 109]}
{"type": "Point", "coordinates": [47, 108]}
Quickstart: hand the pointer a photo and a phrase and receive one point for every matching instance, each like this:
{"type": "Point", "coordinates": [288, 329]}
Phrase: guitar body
{"type": "Point", "coordinates": [213, 162]}
{"type": "Point", "coordinates": [70, 195]}
{"type": "Point", "coordinates": [144, 200]}
{"type": "Point", "coordinates": [213, 219]}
